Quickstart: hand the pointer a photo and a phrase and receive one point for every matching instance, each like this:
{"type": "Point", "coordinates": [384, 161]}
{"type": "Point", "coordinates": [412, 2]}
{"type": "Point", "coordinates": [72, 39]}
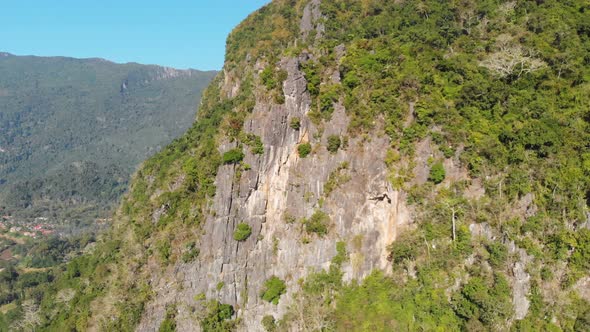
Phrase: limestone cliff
{"type": "Point", "coordinates": [280, 185]}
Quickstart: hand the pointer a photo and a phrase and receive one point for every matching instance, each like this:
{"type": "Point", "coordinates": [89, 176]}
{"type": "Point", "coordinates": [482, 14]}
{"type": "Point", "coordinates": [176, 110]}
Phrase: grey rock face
{"type": "Point", "coordinates": [483, 230]}
{"type": "Point", "coordinates": [273, 196]}
{"type": "Point", "coordinates": [526, 206]}
{"type": "Point", "coordinates": [583, 288]}
{"type": "Point", "coordinates": [309, 21]}
{"type": "Point", "coordinates": [280, 184]}
{"type": "Point", "coordinates": [520, 280]}
{"type": "Point", "coordinates": [521, 284]}
{"type": "Point", "coordinates": [520, 291]}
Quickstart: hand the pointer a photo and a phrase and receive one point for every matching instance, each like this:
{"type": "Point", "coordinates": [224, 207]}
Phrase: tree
{"type": "Point", "coordinates": [334, 143]}
{"type": "Point", "coordinates": [269, 323]}
{"type": "Point", "coordinates": [233, 156]}
{"type": "Point", "coordinates": [512, 58]}
{"type": "Point", "coordinates": [273, 289]}
{"type": "Point", "coordinates": [295, 123]}
{"type": "Point", "coordinates": [437, 173]}
{"type": "Point", "coordinates": [304, 150]}
{"type": "Point", "coordinates": [318, 223]}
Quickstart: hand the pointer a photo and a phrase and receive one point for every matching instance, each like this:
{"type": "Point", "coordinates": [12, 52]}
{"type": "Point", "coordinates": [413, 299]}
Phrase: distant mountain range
{"type": "Point", "coordinates": [73, 130]}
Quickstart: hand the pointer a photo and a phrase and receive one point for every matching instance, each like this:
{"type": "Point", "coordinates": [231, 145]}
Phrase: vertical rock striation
{"type": "Point", "coordinates": [273, 196]}
{"type": "Point", "coordinates": [281, 185]}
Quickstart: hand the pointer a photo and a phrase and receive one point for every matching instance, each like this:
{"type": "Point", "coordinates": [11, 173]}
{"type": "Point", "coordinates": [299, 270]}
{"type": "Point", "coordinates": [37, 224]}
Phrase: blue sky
{"type": "Point", "coordinates": [175, 33]}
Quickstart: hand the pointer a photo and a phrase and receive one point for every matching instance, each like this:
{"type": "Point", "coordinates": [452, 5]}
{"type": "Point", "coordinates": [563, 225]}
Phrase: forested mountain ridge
{"type": "Point", "coordinates": [359, 166]}
{"type": "Point", "coordinates": [101, 119]}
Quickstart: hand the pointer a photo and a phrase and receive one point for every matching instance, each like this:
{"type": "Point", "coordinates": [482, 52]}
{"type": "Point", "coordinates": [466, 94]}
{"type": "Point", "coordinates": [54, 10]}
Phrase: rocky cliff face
{"type": "Point", "coordinates": [277, 191]}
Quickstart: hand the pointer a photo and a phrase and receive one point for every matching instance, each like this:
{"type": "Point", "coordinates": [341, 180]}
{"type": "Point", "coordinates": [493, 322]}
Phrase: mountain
{"type": "Point", "coordinates": [358, 166]}
{"type": "Point", "coordinates": [73, 130]}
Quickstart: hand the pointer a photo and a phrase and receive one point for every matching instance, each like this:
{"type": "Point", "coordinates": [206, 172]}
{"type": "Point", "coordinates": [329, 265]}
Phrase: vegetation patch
{"type": "Point", "coordinates": [318, 223]}
{"type": "Point", "coordinates": [165, 250]}
{"type": "Point", "coordinates": [337, 177]}
{"type": "Point", "coordinates": [329, 95]}
{"type": "Point", "coordinates": [312, 76]}
{"type": "Point", "coordinates": [233, 156]}
{"type": "Point", "coordinates": [254, 142]}
{"type": "Point", "coordinates": [169, 323]}
{"type": "Point", "coordinates": [304, 149]}
{"type": "Point", "coordinates": [242, 232]}
{"type": "Point", "coordinates": [295, 123]}
{"type": "Point", "coordinates": [273, 81]}
{"type": "Point", "coordinates": [288, 218]}
{"type": "Point", "coordinates": [273, 289]}
{"type": "Point", "coordinates": [403, 249]}
{"type": "Point", "coordinates": [269, 323]}
{"type": "Point", "coordinates": [334, 143]}
{"type": "Point", "coordinates": [498, 254]}
{"type": "Point", "coordinates": [190, 253]}
{"type": "Point", "coordinates": [437, 173]}
{"type": "Point", "coordinates": [218, 317]}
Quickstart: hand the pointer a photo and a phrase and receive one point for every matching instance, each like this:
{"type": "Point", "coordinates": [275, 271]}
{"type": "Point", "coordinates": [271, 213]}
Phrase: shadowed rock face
{"type": "Point", "coordinates": [280, 184]}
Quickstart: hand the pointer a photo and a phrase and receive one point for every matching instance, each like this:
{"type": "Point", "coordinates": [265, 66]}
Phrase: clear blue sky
{"type": "Point", "coordinates": [175, 33]}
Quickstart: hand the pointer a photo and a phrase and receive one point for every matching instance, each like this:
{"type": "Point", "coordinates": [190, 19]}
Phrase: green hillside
{"type": "Point", "coordinates": [73, 130]}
